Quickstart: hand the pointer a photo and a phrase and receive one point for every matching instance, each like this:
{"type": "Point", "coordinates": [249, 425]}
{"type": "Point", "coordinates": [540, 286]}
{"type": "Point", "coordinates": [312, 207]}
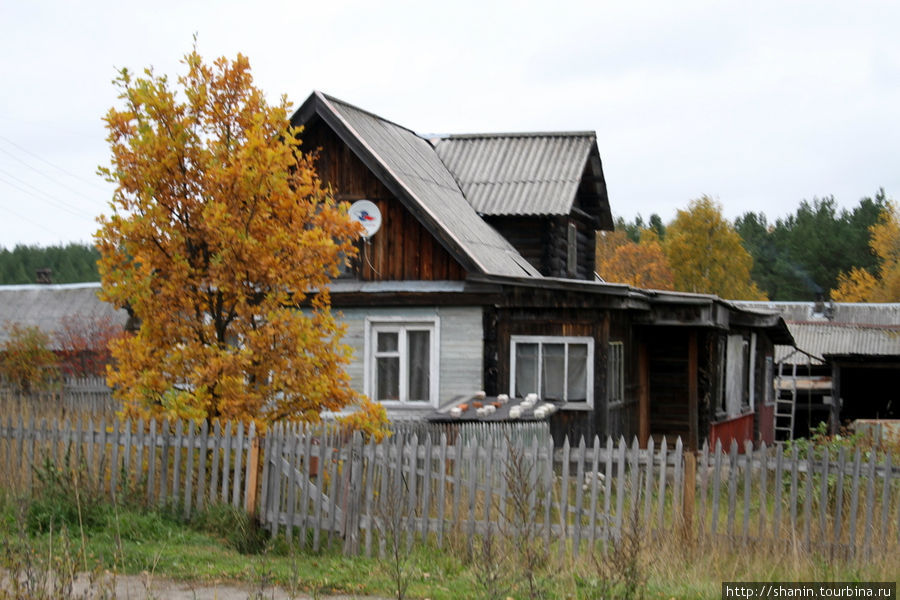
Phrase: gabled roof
{"type": "Point", "coordinates": [527, 173]}
{"type": "Point", "coordinates": [45, 306]}
{"type": "Point", "coordinates": [408, 166]}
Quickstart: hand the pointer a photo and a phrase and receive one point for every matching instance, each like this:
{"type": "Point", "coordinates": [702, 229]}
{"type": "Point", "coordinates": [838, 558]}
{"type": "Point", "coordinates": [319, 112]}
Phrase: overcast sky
{"type": "Point", "coordinates": [758, 104]}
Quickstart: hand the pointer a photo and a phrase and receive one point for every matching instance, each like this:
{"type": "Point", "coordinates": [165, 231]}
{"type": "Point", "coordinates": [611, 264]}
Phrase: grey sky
{"type": "Point", "coordinates": [757, 104]}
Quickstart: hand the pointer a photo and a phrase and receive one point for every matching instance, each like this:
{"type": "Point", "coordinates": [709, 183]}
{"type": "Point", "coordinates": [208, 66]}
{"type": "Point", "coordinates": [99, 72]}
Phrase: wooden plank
{"type": "Point", "coordinates": [732, 485]}
{"type": "Point", "coordinates": [648, 488]}
{"type": "Point", "coordinates": [307, 442]}
{"type": "Point", "coordinates": [503, 474]}
{"type": "Point", "coordinates": [681, 480]}
{"type": "Point", "coordinates": [226, 460]}
{"type": "Point", "coordinates": [795, 460]}
{"type": "Point", "coordinates": [114, 461]}
{"type": "Point", "coordinates": [823, 496]}
{"type": "Point", "coordinates": [762, 458]}
{"type": "Point", "coordinates": [442, 490]}
{"type": "Point", "coordinates": [176, 468]}
{"type": "Point", "coordinates": [564, 498]}
{"type": "Point", "coordinates": [427, 482]}
{"type": "Point", "coordinates": [778, 484]}
{"type": "Point", "coordinates": [661, 485]}
{"type": "Point", "coordinates": [643, 393]}
{"type": "Point", "coordinates": [266, 441]}
{"type": "Point", "coordinates": [634, 487]}
{"type": "Point", "coordinates": [607, 491]}
{"type": "Point", "coordinates": [748, 457]}
{"type": "Point", "coordinates": [383, 496]}
{"type": "Point", "coordinates": [334, 496]}
{"type": "Point", "coordinates": [547, 490]}
{"type": "Point", "coordinates": [471, 475]}
{"type": "Point", "coordinates": [151, 461]}
{"type": "Point", "coordinates": [140, 438]}
{"type": "Point", "coordinates": [704, 485]}
{"type": "Point", "coordinates": [592, 519]}
{"type": "Point", "coordinates": [126, 457]}
{"type": "Point", "coordinates": [839, 497]}
{"type": "Point", "coordinates": [717, 483]}
{"type": "Point", "coordinates": [577, 521]}
{"type": "Point", "coordinates": [252, 478]}
{"type": "Point", "coordinates": [164, 461]}
{"type": "Point", "coordinates": [318, 501]}
{"type": "Point", "coordinates": [412, 448]}
{"type": "Point", "coordinates": [370, 455]}
{"type": "Point", "coordinates": [854, 497]}
{"type": "Point", "coordinates": [238, 445]}
{"type": "Point", "coordinates": [488, 483]}
{"type": "Point", "coordinates": [886, 496]}
{"type": "Point", "coordinates": [189, 470]}
{"type": "Point", "coordinates": [620, 489]}
{"type": "Point", "coordinates": [293, 481]}
{"type": "Point", "coordinates": [276, 474]}
{"type": "Point", "coordinates": [808, 500]}
{"type": "Point", "coordinates": [214, 463]}
{"type": "Point", "coordinates": [870, 503]}
{"type": "Point", "coordinates": [201, 464]}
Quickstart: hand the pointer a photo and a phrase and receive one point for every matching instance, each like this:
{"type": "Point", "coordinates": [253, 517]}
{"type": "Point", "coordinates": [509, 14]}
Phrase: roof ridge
{"type": "Point", "coordinates": [512, 134]}
{"type": "Point", "coordinates": [331, 98]}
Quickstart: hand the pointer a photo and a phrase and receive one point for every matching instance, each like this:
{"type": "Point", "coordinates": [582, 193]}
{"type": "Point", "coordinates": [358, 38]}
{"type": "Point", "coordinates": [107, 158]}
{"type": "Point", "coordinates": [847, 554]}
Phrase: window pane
{"type": "Point", "coordinates": [387, 341]}
{"type": "Point", "coordinates": [553, 372]}
{"type": "Point", "coordinates": [526, 369]}
{"type": "Point", "coordinates": [419, 348]}
{"type": "Point", "coordinates": [388, 377]}
{"type": "Point", "coordinates": [577, 376]}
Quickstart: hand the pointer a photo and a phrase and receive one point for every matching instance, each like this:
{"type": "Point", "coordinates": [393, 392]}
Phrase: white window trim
{"type": "Point", "coordinates": [433, 324]}
{"type": "Point", "coordinates": [550, 339]}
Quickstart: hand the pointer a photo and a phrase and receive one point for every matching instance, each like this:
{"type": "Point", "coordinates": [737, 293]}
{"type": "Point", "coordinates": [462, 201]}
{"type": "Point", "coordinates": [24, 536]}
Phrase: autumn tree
{"type": "Point", "coordinates": [220, 229]}
{"type": "Point", "coordinates": [26, 359]}
{"type": "Point", "coordinates": [881, 284]}
{"type": "Point", "coordinates": [706, 255]}
{"type": "Point", "coordinates": [642, 264]}
{"type": "Point", "coordinates": [83, 342]}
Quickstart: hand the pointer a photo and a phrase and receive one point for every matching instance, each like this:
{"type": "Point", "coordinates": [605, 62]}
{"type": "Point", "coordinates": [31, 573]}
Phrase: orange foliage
{"type": "Point", "coordinates": [859, 285]}
{"type": "Point", "coordinates": [706, 253]}
{"type": "Point", "coordinates": [26, 359]}
{"type": "Point", "coordinates": [220, 229]}
{"type": "Point", "coordinates": [642, 265]}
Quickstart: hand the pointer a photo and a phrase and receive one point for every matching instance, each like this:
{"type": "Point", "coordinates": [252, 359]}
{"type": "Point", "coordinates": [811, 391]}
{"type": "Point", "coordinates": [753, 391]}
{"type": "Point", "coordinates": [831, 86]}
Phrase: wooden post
{"type": "Point", "coordinates": [690, 482]}
{"type": "Point", "coordinates": [252, 475]}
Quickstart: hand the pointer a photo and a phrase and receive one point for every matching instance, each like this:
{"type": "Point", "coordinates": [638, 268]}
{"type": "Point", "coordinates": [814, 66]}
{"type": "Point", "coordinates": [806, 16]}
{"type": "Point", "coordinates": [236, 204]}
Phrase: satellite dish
{"type": "Point", "coordinates": [366, 213]}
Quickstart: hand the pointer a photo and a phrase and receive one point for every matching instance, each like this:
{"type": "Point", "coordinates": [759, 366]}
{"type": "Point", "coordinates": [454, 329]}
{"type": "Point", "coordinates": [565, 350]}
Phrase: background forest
{"type": "Point", "coordinates": [842, 254]}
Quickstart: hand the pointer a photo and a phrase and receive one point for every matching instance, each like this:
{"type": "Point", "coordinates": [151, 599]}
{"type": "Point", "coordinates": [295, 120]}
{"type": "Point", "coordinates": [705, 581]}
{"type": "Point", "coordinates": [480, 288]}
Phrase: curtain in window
{"type": "Point", "coordinates": [553, 372]}
{"type": "Point", "coordinates": [526, 369]}
{"type": "Point", "coordinates": [418, 348]}
{"type": "Point", "coordinates": [577, 375]}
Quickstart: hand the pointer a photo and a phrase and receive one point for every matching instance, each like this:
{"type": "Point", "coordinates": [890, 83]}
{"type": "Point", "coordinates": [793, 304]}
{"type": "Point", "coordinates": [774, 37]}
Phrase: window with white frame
{"type": "Point", "coordinates": [401, 361]}
{"type": "Point", "coordinates": [560, 369]}
{"type": "Point", "coordinates": [615, 382]}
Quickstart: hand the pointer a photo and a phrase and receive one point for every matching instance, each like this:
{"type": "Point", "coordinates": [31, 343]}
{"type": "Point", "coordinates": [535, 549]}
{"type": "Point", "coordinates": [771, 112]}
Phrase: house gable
{"type": "Point", "coordinates": [544, 192]}
{"type": "Point", "coordinates": [409, 169]}
{"type": "Point", "coordinates": [404, 248]}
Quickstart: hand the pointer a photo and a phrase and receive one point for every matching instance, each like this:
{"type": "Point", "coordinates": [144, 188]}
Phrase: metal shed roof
{"type": "Point", "coordinates": [45, 306]}
{"type": "Point", "coordinates": [518, 173]}
{"type": "Point", "coordinates": [411, 169]}
{"type": "Point", "coordinates": [829, 339]}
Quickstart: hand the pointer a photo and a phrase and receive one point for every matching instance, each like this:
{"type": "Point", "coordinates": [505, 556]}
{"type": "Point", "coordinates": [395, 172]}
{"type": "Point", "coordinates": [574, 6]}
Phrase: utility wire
{"type": "Point", "coordinates": [41, 195]}
{"type": "Point", "coordinates": [45, 161]}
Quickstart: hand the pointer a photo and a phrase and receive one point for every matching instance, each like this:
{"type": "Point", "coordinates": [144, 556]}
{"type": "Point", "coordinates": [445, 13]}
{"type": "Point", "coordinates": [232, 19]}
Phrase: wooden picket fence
{"type": "Point", "coordinates": [321, 486]}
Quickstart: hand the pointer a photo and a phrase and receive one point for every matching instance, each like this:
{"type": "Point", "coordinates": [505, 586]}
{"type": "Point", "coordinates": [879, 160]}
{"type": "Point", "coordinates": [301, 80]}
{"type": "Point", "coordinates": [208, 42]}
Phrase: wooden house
{"type": "Point", "coordinates": [481, 277]}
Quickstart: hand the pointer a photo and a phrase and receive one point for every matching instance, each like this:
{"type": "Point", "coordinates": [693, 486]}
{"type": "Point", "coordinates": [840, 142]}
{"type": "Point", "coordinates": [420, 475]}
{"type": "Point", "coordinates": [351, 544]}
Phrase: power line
{"type": "Point", "coordinates": [49, 177]}
{"type": "Point", "coordinates": [43, 160]}
{"type": "Point", "coordinates": [40, 195]}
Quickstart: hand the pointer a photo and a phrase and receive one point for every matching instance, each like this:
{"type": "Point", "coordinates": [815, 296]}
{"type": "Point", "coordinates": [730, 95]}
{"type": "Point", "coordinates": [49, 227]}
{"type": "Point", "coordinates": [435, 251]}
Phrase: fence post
{"type": "Point", "coordinates": [253, 476]}
{"type": "Point", "coordinates": [690, 482]}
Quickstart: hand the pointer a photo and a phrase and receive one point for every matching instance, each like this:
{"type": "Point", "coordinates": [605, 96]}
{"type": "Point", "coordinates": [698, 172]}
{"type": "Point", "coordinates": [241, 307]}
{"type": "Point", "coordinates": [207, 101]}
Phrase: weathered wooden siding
{"type": "Point", "coordinates": [460, 331]}
{"type": "Point", "coordinates": [739, 429]}
{"type": "Point", "coordinates": [543, 241]}
{"type": "Point", "coordinates": [403, 249]}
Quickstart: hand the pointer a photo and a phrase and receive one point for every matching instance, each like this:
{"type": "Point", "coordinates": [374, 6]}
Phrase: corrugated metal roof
{"type": "Point", "coordinates": [837, 312]}
{"type": "Point", "coordinates": [836, 329]}
{"type": "Point", "coordinates": [45, 306]}
{"type": "Point", "coordinates": [413, 164]}
{"type": "Point", "coordinates": [518, 173]}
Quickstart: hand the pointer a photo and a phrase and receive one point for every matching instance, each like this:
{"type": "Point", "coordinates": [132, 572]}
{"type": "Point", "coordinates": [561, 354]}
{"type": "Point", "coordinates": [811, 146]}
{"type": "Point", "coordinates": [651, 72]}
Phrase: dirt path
{"type": "Point", "coordinates": [142, 587]}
